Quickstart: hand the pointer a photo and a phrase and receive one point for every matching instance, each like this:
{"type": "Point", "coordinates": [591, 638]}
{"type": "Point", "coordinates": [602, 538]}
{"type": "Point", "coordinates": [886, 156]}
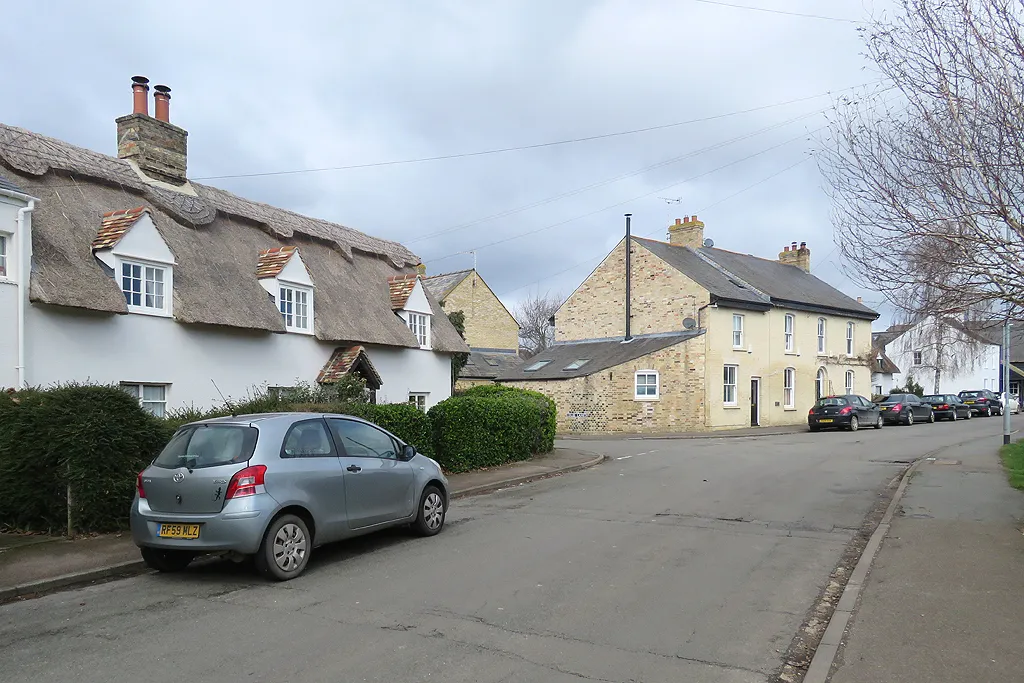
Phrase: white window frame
{"type": "Point", "coordinates": [821, 383]}
{"type": "Point", "coordinates": [789, 329]}
{"type": "Point", "coordinates": [419, 323]}
{"type": "Point", "coordinates": [5, 251]}
{"type": "Point", "coordinates": [849, 381]}
{"type": "Point", "coordinates": [789, 388]}
{"type": "Point", "coordinates": [877, 390]}
{"type": "Point", "coordinates": [636, 385]}
{"type": "Point", "coordinates": [419, 399]}
{"type": "Point", "coordinates": [849, 338]}
{"type": "Point", "coordinates": [822, 341]}
{"type": "Point", "coordinates": [730, 390]}
{"type": "Point", "coordinates": [296, 292]}
{"type": "Point", "coordinates": [737, 331]}
{"type": "Point", "coordinates": [138, 390]}
{"type": "Point", "coordinates": [147, 268]}
{"type": "Point", "coordinates": [918, 358]}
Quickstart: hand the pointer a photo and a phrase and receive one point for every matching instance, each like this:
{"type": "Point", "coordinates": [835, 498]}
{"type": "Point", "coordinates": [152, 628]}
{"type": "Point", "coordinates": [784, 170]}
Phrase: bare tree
{"type": "Point", "coordinates": [927, 172]}
{"type": "Point", "coordinates": [533, 315]}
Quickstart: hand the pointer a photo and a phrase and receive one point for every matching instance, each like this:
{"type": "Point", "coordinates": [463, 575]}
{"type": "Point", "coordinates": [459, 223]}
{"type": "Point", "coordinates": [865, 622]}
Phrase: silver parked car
{"type": "Point", "coordinates": [274, 486]}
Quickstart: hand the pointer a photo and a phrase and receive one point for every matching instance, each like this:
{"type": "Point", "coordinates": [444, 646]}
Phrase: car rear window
{"type": "Point", "coordinates": [935, 399]}
{"type": "Point", "coordinates": [830, 401]}
{"type": "Point", "coordinates": [894, 398]}
{"type": "Point", "coordinates": [198, 446]}
{"type": "Point", "coordinates": [970, 394]}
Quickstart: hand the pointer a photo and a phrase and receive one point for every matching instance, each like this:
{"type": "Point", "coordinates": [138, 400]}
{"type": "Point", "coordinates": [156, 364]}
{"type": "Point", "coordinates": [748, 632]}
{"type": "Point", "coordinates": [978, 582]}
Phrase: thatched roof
{"type": "Point", "coordinates": [216, 238]}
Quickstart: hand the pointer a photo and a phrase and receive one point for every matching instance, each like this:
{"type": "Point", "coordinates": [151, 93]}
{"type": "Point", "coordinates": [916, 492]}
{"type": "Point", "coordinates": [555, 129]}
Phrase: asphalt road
{"type": "Point", "coordinates": [677, 560]}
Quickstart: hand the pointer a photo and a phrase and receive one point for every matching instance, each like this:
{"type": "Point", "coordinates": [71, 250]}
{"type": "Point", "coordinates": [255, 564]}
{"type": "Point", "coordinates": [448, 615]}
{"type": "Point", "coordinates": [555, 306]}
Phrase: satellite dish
{"type": "Point", "coordinates": [709, 243]}
{"type": "Point", "coordinates": [689, 323]}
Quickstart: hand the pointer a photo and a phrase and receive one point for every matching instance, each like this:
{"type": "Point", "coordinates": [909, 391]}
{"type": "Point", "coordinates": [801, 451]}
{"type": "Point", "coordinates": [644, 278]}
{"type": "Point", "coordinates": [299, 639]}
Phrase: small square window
{"type": "Point", "coordinates": [419, 400]}
{"type": "Point", "coordinates": [646, 385]}
{"type": "Point", "coordinates": [918, 358]}
{"type": "Point", "coordinates": [143, 287]}
{"type": "Point", "coordinates": [152, 397]}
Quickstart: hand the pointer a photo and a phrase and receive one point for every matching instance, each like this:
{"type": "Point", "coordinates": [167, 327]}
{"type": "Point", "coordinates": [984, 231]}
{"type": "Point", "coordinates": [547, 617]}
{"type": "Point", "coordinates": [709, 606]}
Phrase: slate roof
{"type": "Point", "coordinates": [442, 285]}
{"type": "Point", "coordinates": [484, 365]}
{"type": "Point", "coordinates": [750, 281]}
{"type": "Point", "coordinates": [600, 355]}
{"type": "Point", "coordinates": [272, 261]}
{"type": "Point", "coordinates": [8, 185]}
{"type": "Point", "coordinates": [399, 288]}
{"type": "Point", "coordinates": [215, 237]}
{"type": "Point", "coordinates": [888, 336]}
{"type": "Point", "coordinates": [114, 226]}
{"type": "Point", "coordinates": [884, 365]}
{"type": "Point", "coordinates": [991, 332]}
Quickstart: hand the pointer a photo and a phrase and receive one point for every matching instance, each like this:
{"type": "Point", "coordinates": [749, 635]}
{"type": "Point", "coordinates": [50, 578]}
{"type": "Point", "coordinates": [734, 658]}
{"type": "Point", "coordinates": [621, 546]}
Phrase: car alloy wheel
{"type": "Point", "coordinates": [879, 422]}
{"type": "Point", "coordinates": [931, 417]}
{"type": "Point", "coordinates": [910, 417]}
{"type": "Point", "coordinates": [284, 552]}
{"type": "Point", "coordinates": [854, 424]}
{"type": "Point", "coordinates": [954, 415]}
{"type": "Point", "coordinates": [290, 546]}
{"type": "Point", "coordinates": [430, 518]}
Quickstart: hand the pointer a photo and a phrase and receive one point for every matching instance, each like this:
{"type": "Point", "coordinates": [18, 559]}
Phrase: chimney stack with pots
{"type": "Point", "coordinates": [799, 256]}
{"type": "Point", "coordinates": [687, 232]}
{"type": "Point", "coordinates": [157, 148]}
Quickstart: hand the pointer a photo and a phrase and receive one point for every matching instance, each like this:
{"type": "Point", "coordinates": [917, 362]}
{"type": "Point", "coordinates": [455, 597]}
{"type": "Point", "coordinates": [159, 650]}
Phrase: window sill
{"type": "Point", "coordinates": [790, 410]}
{"type": "Point", "coordinates": [646, 399]}
{"type": "Point", "coordinates": [139, 310]}
{"type": "Point", "coordinates": [4, 280]}
{"type": "Point", "coordinates": [292, 330]}
{"type": "Point", "coordinates": [739, 348]}
{"type": "Point", "coordinates": [792, 353]}
{"type": "Point", "coordinates": [730, 406]}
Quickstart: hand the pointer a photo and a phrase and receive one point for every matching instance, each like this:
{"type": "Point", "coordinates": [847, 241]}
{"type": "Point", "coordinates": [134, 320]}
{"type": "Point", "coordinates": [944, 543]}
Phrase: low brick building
{"type": "Point", "coordinates": [491, 330]}
{"type": "Point", "coordinates": [757, 340]}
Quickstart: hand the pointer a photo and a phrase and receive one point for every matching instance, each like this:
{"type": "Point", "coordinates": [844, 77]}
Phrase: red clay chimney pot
{"type": "Point", "coordinates": [140, 95]}
{"type": "Point", "coordinates": [163, 103]}
{"type": "Point", "coordinates": [679, 221]}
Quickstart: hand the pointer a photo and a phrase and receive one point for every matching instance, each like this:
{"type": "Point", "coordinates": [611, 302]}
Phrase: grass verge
{"type": "Point", "coordinates": [1013, 461]}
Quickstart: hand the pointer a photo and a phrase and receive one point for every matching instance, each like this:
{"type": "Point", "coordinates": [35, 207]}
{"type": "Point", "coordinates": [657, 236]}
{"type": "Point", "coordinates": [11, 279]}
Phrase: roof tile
{"type": "Point", "coordinates": [341, 363]}
{"type": "Point", "coordinates": [401, 287]}
{"type": "Point", "coordinates": [114, 226]}
{"type": "Point", "coordinates": [272, 261]}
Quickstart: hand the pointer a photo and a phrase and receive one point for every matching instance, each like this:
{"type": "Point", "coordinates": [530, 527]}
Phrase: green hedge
{"type": "Point", "coordinates": [404, 420]}
{"type": "Point", "coordinates": [90, 441]}
{"type": "Point", "coordinates": [550, 424]}
{"type": "Point", "coordinates": [490, 426]}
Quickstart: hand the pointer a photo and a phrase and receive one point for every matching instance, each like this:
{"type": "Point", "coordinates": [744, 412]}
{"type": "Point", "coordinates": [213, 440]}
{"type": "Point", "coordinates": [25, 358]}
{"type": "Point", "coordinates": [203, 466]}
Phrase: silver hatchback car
{"type": "Point", "coordinates": [274, 486]}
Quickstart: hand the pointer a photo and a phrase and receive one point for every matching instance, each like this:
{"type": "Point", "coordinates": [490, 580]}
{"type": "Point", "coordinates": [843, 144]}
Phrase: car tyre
{"type": "Point", "coordinates": [814, 428]}
{"type": "Point", "coordinates": [284, 551]}
{"type": "Point", "coordinates": [854, 424]}
{"type": "Point", "coordinates": [910, 418]}
{"type": "Point", "coordinates": [167, 561]}
{"type": "Point", "coordinates": [432, 510]}
{"type": "Point", "coordinates": [970, 414]}
{"type": "Point", "coordinates": [879, 422]}
{"type": "Point", "coordinates": [931, 417]}
{"type": "Point", "coordinates": [953, 417]}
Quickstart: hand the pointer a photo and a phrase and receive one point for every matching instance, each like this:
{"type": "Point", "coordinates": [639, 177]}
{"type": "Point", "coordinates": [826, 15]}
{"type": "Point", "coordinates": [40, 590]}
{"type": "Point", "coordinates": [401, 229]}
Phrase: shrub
{"type": "Point", "coordinates": [546, 441]}
{"type": "Point", "coordinates": [84, 440]}
{"type": "Point", "coordinates": [404, 420]}
{"type": "Point", "coordinates": [486, 429]}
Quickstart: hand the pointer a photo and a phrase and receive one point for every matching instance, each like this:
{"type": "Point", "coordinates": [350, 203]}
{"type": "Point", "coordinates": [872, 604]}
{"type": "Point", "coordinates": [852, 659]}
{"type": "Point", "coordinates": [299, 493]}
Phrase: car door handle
{"type": "Point", "coordinates": [353, 468]}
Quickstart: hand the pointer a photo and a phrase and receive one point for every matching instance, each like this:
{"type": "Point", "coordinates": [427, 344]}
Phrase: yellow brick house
{"type": "Point", "coordinates": [717, 340]}
{"type": "Point", "coordinates": [491, 330]}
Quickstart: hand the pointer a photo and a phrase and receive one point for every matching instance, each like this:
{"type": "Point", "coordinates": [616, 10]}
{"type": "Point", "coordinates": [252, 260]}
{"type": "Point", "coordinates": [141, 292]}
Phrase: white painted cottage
{"type": "Point", "coordinates": [121, 270]}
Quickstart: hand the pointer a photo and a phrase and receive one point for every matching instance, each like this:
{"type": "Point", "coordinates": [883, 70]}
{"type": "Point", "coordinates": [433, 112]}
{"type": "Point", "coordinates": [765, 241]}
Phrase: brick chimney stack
{"type": "Point", "coordinates": [796, 256]}
{"type": "Point", "coordinates": [687, 232]}
{"type": "Point", "coordinates": [156, 146]}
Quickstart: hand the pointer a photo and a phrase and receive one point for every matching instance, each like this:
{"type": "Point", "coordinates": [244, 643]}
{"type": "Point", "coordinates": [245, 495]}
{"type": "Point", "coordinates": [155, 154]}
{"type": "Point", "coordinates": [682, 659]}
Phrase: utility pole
{"type": "Point", "coordinates": [1006, 359]}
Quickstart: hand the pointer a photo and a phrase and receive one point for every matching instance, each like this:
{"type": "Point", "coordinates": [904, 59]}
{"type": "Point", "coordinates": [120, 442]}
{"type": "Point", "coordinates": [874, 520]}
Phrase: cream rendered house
{"type": "Point", "coordinates": [760, 339]}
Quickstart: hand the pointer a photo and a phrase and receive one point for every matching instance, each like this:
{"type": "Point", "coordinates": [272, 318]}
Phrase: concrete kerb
{"type": "Point", "coordinates": [820, 667]}
{"type": "Point", "coordinates": [136, 567]}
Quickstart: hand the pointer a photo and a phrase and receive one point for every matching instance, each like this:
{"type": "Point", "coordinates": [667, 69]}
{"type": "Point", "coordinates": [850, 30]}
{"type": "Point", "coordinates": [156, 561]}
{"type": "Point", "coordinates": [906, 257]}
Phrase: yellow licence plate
{"type": "Point", "coordinates": [970, 403]}
{"type": "Point", "coordinates": [186, 531]}
{"type": "Point", "coordinates": [828, 420]}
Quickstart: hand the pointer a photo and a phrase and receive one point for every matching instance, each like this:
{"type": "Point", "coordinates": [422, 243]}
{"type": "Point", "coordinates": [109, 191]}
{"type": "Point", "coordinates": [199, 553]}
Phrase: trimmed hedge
{"type": "Point", "coordinates": [404, 420]}
{"type": "Point", "coordinates": [90, 441]}
{"type": "Point", "coordinates": [489, 426]}
{"type": "Point", "coordinates": [550, 425]}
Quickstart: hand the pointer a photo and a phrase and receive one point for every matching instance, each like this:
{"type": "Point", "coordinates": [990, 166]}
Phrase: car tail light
{"type": "Point", "coordinates": [811, 411]}
{"type": "Point", "coordinates": [943, 407]}
{"type": "Point", "coordinates": [138, 486]}
{"type": "Point", "coordinates": [897, 408]}
{"type": "Point", "coordinates": [846, 411]}
{"type": "Point", "coordinates": [982, 400]}
{"type": "Point", "coordinates": [247, 482]}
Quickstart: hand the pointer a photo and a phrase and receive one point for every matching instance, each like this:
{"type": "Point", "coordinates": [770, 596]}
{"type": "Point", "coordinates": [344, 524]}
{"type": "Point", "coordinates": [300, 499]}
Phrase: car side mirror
{"type": "Point", "coordinates": [408, 452]}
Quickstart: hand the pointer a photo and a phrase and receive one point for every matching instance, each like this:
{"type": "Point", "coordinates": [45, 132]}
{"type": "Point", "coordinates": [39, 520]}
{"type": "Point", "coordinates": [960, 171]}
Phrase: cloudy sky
{"type": "Point", "coordinates": [281, 89]}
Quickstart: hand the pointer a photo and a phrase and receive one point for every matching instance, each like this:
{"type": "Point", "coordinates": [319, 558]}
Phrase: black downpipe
{"type": "Point", "coordinates": [629, 275]}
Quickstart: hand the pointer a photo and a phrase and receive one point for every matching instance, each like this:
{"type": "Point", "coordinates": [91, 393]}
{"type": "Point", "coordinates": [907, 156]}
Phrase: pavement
{"type": "Point", "coordinates": [943, 599]}
{"type": "Point", "coordinates": [694, 560]}
{"type": "Point", "coordinates": [741, 432]}
{"type": "Point", "coordinates": [33, 564]}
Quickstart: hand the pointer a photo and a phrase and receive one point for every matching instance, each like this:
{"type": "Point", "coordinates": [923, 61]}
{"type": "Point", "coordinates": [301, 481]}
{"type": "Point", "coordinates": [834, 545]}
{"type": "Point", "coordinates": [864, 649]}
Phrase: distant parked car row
{"type": "Point", "coordinates": [852, 412]}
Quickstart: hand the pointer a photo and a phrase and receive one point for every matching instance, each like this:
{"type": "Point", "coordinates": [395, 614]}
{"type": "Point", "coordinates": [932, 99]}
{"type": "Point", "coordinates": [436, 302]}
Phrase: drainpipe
{"type": "Point", "coordinates": [24, 274]}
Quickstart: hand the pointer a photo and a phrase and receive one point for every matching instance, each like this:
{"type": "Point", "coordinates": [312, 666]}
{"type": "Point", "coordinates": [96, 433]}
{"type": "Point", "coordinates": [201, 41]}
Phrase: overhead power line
{"type": "Point", "coordinates": [554, 143]}
{"type": "Point", "coordinates": [778, 11]}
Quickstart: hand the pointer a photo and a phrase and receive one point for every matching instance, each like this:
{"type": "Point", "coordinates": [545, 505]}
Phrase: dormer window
{"type": "Point", "coordinates": [295, 305]}
{"type": "Point", "coordinates": [282, 273]}
{"type": "Point", "coordinates": [139, 260]}
{"type": "Point", "coordinates": [420, 326]}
